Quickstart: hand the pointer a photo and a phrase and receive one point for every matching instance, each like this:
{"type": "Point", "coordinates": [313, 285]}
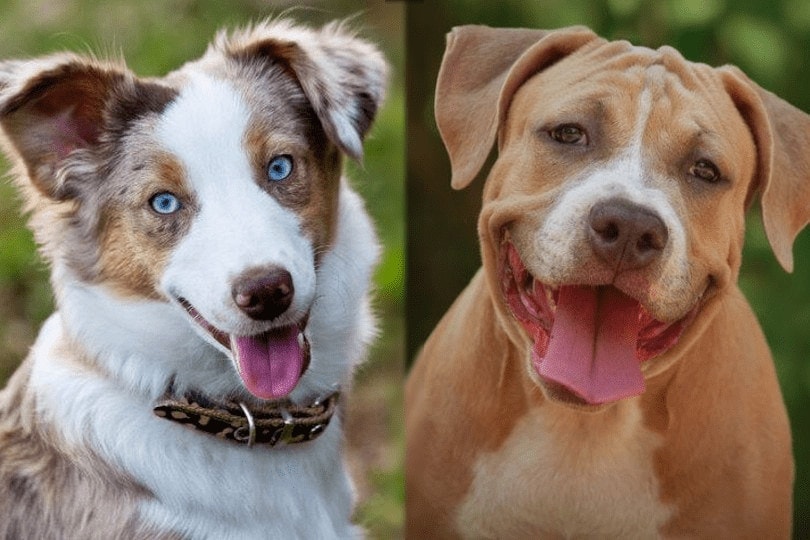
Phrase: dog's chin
{"type": "Point", "coordinates": [558, 393]}
{"type": "Point", "coordinates": [270, 363]}
{"type": "Point", "coordinates": [590, 343]}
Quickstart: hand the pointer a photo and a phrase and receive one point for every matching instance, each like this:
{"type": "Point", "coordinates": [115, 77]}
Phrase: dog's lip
{"type": "Point", "coordinates": [534, 303]}
{"type": "Point", "coordinates": [222, 337]}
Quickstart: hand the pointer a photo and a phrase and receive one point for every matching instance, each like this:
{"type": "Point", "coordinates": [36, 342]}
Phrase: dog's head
{"type": "Point", "coordinates": [214, 189]}
{"type": "Point", "coordinates": [615, 209]}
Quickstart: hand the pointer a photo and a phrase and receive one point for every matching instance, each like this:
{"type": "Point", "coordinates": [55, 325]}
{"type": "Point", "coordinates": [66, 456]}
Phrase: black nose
{"type": "Point", "coordinates": [264, 294]}
{"type": "Point", "coordinates": [625, 235]}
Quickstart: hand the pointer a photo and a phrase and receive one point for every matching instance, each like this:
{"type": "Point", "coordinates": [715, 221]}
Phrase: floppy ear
{"type": "Point", "coordinates": [342, 76]}
{"type": "Point", "coordinates": [782, 138]}
{"type": "Point", "coordinates": [482, 68]}
{"type": "Point", "coordinates": [56, 105]}
{"type": "Point", "coordinates": [50, 108]}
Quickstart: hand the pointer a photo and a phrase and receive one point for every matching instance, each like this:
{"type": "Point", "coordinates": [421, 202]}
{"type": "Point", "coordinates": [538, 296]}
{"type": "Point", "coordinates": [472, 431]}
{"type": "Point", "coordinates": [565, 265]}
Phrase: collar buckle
{"type": "Point", "coordinates": [239, 433]}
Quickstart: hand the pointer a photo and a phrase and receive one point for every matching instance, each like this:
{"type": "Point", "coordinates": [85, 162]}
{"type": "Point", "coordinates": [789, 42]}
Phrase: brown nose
{"type": "Point", "coordinates": [625, 235]}
{"type": "Point", "coordinates": [264, 294]}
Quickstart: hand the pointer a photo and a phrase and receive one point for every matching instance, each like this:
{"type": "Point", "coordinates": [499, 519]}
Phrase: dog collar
{"type": "Point", "coordinates": [278, 422]}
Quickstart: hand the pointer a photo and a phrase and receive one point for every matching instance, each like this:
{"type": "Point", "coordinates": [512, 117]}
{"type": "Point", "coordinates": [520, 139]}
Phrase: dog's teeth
{"type": "Point", "coordinates": [529, 305]}
{"type": "Point", "coordinates": [550, 298]}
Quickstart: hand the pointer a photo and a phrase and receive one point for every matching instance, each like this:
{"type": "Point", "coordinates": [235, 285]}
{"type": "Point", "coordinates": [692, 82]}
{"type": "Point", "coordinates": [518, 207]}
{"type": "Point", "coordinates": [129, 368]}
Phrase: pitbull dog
{"type": "Point", "coordinates": [602, 375]}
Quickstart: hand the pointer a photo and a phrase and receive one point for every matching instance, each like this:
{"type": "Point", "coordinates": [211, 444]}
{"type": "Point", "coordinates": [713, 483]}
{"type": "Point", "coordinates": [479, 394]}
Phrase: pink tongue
{"type": "Point", "coordinates": [592, 346]}
{"type": "Point", "coordinates": [270, 363]}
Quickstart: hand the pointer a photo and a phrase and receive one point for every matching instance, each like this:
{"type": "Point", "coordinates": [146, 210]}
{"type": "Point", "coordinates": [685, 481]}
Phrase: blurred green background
{"type": "Point", "coordinates": [156, 36]}
{"type": "Point", "coordinates": [769, 40]}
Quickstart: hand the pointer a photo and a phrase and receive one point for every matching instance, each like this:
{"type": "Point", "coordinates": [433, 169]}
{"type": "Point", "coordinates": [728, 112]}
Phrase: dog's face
{"type": "Point", "coordinates": [214, 189]}
{"type": "Point", "coordinates": [615, 210]}
{"type": "Point", "coordinates": [629, 171]}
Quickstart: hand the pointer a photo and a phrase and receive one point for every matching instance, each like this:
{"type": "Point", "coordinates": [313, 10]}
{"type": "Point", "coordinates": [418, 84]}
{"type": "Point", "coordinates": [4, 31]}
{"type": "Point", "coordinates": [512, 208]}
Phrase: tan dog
{"type": "Point", "coordinates": [602, 375]}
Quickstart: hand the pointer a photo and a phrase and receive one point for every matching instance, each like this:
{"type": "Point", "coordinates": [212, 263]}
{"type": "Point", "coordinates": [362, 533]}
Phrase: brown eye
{"type": "Point", "coordinates": [705, 170]}
{"type": "Point", "coordinates": [569, 134]}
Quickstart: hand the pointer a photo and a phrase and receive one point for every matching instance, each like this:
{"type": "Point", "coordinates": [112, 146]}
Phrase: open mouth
{"type": "Point", "coordinates": [589, 341]}
{"type": "Point", "coordinates": [271, 363]}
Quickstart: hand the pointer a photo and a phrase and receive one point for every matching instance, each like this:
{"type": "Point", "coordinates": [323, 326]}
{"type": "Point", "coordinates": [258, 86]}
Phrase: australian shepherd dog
{"type": "Point", "coordinates": [211, 268]}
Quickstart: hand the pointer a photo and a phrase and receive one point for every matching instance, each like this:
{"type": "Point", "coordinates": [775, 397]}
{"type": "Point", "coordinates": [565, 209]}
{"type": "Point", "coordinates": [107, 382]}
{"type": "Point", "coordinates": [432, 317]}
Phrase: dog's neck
{"type": "Point", "coordinates": [114, 334]}
{"type": "Point", "coordinates": [271, 423]}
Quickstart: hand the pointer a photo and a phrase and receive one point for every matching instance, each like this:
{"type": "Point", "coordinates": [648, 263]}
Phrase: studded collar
{"type": "Point", "coordinates": [277, 422]}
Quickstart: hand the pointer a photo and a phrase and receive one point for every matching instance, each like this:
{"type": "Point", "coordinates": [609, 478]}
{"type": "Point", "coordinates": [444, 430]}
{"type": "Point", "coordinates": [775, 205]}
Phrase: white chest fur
{"type": "Point", "coordinates": [200, 486]}
{"type": "Point", "coordinates": [566, 474]}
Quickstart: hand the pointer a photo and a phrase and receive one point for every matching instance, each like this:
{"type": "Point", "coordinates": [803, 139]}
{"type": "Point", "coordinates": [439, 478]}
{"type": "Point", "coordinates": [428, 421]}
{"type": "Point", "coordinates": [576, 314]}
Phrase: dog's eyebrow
{"type": "Point", "coordinates": [703, 137]}
{"type": "Point", "coordinates": [582, 110]}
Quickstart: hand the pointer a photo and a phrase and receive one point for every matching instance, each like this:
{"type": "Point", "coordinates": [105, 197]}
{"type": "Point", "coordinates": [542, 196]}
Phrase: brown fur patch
{"type": "Point", "coordinates": [725, 463]}
{"type": "Point", "coordinates": [333, 85]}
{"type": "Point", "coordinates": [450, 427]}
{"type": "Point", "coordinates": [283, 122]}
{"type": "Point", "coordinates": [136, 242]}
{"type": "Point", "coordinates": [311, 190]}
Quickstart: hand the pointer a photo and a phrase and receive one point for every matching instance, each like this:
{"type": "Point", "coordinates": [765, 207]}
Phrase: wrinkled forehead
{"type": "Point", "coordinates": [615, 82]}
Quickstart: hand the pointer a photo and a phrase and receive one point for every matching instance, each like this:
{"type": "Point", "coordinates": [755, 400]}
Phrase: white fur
{"type": "Point", "coordinates": [204, 487]}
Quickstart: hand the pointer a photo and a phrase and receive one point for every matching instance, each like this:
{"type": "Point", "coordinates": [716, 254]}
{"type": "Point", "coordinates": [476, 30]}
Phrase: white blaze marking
{"type": "Point", "coordinates": [562, 238]}
{"type": "Point", "coordinates": [239, 225]}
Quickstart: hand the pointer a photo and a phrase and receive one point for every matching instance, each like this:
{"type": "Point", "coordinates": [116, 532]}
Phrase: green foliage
{"type": "Point", "coordinates": [383, 181]}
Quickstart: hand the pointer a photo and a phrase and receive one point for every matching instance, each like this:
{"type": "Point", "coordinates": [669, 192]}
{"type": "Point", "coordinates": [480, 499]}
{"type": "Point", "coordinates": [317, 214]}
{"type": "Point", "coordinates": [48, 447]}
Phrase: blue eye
{"type": "Point", "coordinates": [279, 168]}
{"type": "Point", "coordinates": [165, 203]}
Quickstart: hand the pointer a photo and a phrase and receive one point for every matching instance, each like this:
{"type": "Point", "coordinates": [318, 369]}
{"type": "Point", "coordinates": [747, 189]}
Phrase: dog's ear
{"type": "Point", "coordinates": [52, 107]}
{"type": "Point", "coordinates": [481, 70]}
{"type": "Point", "coordinates": [343, 77]}
{"type": "Point", "coordinates": [782, 137]}
{"type": "Point", "coordinates": [48, 109]}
